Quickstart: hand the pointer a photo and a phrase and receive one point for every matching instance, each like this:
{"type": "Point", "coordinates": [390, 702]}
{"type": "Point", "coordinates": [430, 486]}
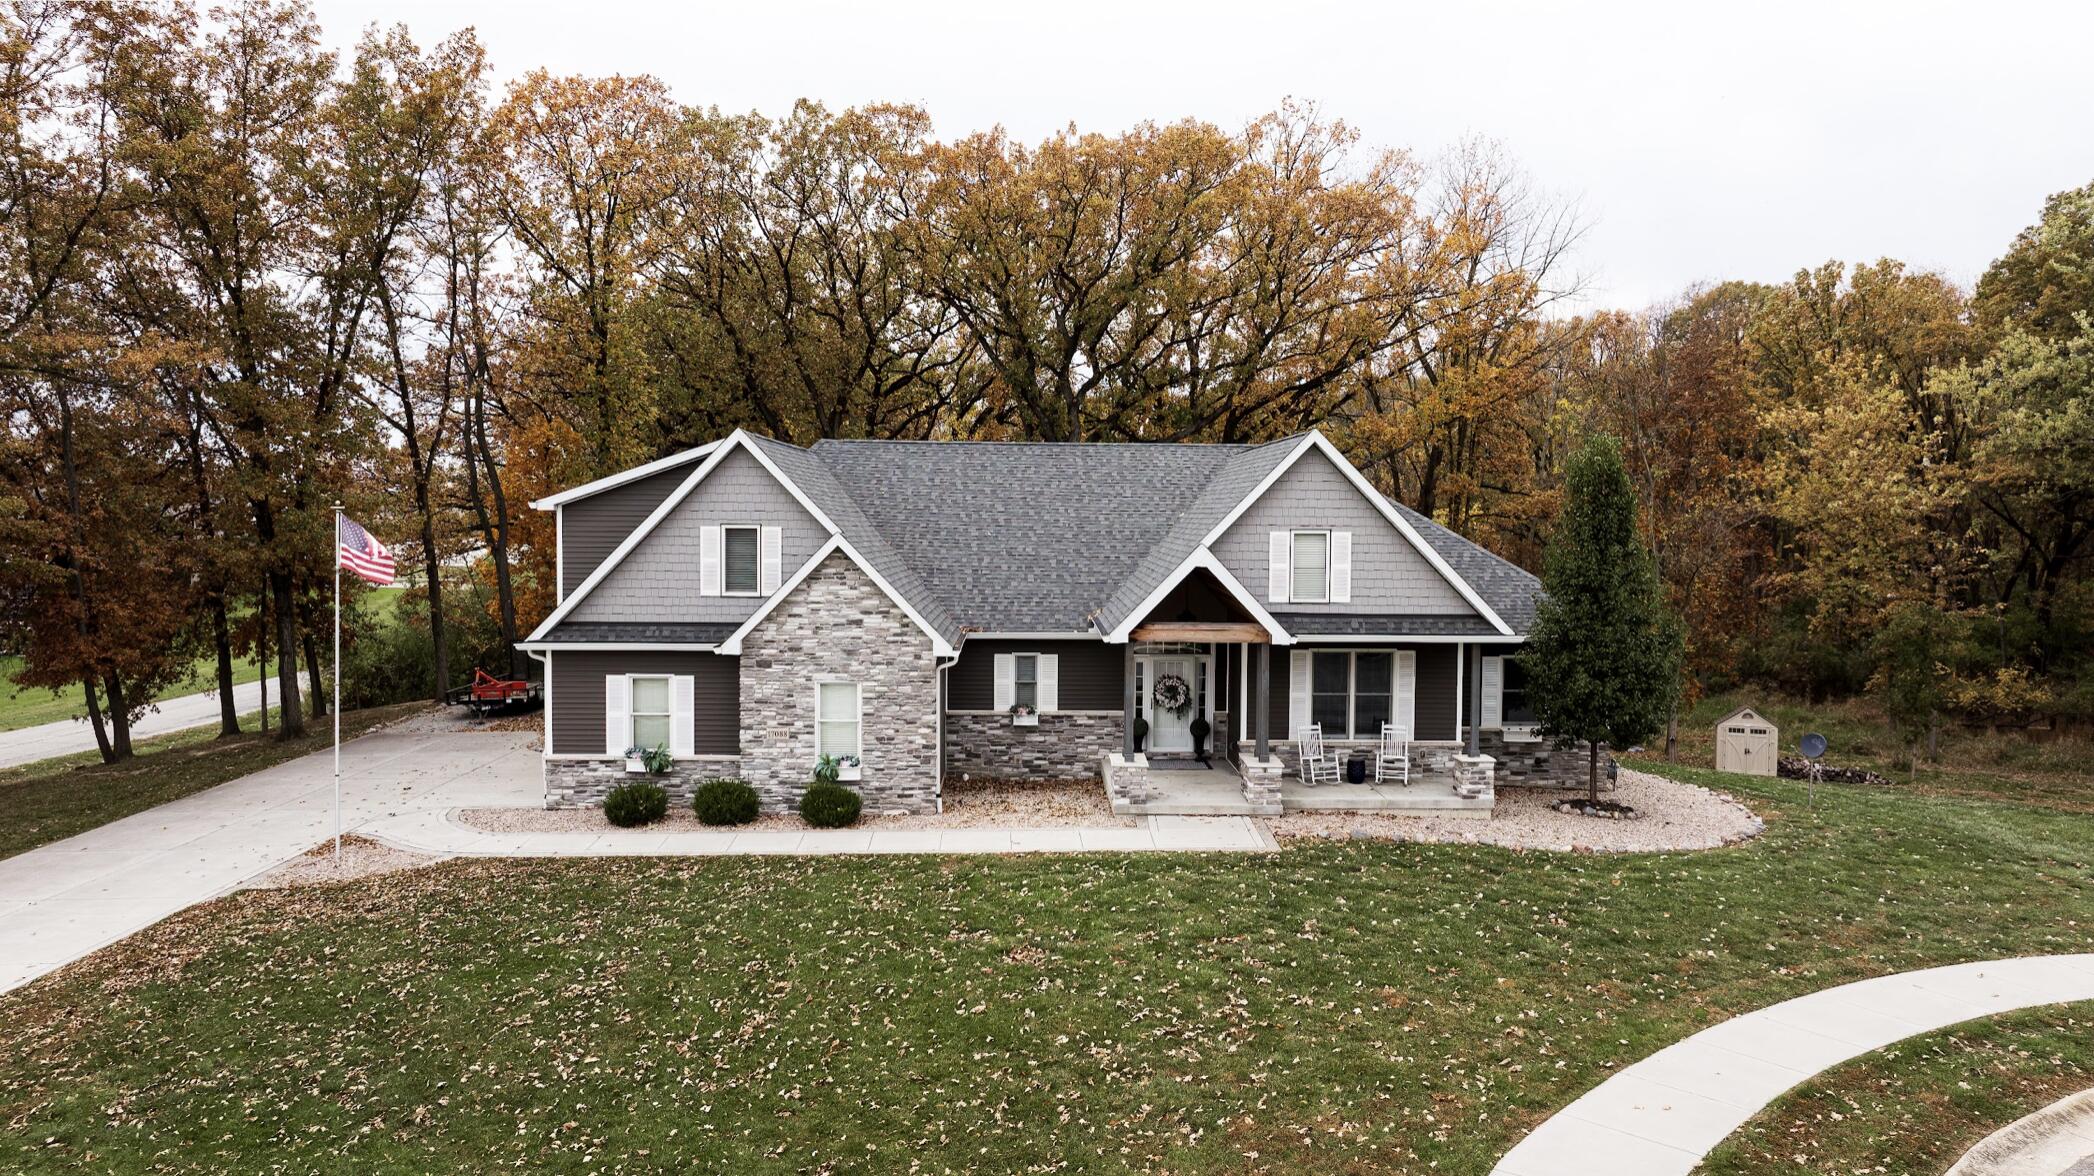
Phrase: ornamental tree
{"type": "Point", "coordinates": [1603, 660]}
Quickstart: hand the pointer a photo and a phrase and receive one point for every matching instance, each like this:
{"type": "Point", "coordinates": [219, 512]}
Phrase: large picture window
{"type": "Point", "coordinates": [836, 720]}
{"type": "Point", "coordinates": [1350, 693]}
{"type": "Point", "coordinates": [742, 560]}
{"type": "Point", "coordinates": [1311, 576]}
{"type": "Point", "coordinates": [650, 712]}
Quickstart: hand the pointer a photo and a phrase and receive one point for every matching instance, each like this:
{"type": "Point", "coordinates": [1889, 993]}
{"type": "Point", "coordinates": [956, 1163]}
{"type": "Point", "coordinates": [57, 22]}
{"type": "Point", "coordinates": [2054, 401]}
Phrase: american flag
{"type": "Point", "coordinates": [363, 555]}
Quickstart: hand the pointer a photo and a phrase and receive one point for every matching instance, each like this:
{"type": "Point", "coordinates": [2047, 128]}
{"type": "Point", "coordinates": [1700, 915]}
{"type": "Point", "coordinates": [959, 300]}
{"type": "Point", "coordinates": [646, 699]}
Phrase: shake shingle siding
{"type": "Point", "coordinates": [1388, 574]}
{"type": "Point", "coordinates": [659, 580]}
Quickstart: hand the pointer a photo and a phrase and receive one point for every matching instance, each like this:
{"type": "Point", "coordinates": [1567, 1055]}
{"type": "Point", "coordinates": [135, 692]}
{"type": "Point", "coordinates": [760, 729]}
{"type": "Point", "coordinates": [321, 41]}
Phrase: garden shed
{"type": "Point", "coordinates": [1746, 742]}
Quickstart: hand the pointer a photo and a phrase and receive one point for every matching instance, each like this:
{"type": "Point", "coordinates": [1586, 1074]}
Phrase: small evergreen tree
{"type": "Point", "coordinates": [1602, 662]}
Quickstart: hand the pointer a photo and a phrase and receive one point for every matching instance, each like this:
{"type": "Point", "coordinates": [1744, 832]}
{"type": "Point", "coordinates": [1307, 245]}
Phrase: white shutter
{"type": "Point", "coordinates": [1405, 712]}
{"type": "Point", "coordinates": [1050, 686]}
{"type": "Point", "coordinates": [1297, 693]}
{"type": "Point", "coordinates": [1006, 681]}
{"type": "Point", "coordinates": [708, 561]}
{"type": "Point", "coordinates": [1341, 566]}
{"type": "Point", "coordinates": [683, 705]}
{"type": "Point", "coordinates": [1281, 554]}
{"type": "Point", "coordinates": [773, 554]}
{"type": "Point", "coordinates": [1492, 682]}
{"type": "Point", "coordinates": [617, 723]}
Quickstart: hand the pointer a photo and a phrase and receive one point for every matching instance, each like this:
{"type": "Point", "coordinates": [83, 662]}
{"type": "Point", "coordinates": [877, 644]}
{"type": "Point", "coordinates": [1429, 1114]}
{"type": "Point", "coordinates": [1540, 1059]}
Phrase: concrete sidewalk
{"type": "Point", "coordinates": [67, 736]}
{"type": "Point", "coordinates": [1660, 1116]}
{"type": "Point", "coordinates": [434, 832]}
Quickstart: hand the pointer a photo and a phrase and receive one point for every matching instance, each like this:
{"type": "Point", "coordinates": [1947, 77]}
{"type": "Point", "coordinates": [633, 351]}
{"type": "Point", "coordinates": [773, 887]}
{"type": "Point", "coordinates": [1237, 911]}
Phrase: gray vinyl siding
{"type": "Point", "coordinates": [1388, 574]}
{"type": "Point", "coordinates": [592, 528]}
{"type": "Point", "coordinates": [659, 580]}
{"type": "Point", "coordinates": [577, 697]}
{"type": "Point", "coordinates": [1433, 709]}
{"type": "Point", "coordinates": [1089, 673]}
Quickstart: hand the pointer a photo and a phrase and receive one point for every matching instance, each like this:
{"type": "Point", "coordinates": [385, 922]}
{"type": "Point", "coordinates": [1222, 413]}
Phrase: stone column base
{"type": "Point", "coordinates": [1474, 776]}
{"type": "Point", "coordinates": [1126, 780]}
{"type": "Point", "coordinates": [1261, 784]}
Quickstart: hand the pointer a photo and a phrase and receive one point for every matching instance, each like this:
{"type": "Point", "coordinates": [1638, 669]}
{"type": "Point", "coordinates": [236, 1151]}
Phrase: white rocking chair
{"type": "Point", "coordinates": [1319, 764]}
{"type": "Point", "coordinates": [1392, 761]}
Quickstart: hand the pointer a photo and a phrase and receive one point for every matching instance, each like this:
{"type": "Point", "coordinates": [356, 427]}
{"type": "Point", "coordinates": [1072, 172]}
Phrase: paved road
{"type": "Point", "coordinates": [70, 735]}
{"type": "Point", "coordinates": [1660, 1116]}
{"type": "Point", "coordinates": [63, 900]}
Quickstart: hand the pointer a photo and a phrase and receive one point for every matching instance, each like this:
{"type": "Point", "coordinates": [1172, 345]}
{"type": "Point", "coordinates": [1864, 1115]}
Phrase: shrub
{"type": "Point", "coordinates": [635, 802]}
{"type": "Point", "coordinates": [725, 801]}
{"type": "Point", "coordinates": [830, 806]}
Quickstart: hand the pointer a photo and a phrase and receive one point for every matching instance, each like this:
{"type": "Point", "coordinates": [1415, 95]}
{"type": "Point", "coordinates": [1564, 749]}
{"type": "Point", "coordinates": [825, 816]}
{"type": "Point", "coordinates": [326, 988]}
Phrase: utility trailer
{"type": "Point", "coordinates": [491, 695]}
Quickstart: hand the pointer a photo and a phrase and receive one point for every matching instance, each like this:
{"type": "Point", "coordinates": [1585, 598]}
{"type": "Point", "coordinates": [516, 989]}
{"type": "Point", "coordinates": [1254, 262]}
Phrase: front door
{"type": "Point", "coordinates": [1170, 732]}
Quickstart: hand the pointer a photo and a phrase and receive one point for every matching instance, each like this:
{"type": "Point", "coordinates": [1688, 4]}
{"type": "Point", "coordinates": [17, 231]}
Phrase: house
{"type": "Point", "coordinates": [1018, 610]}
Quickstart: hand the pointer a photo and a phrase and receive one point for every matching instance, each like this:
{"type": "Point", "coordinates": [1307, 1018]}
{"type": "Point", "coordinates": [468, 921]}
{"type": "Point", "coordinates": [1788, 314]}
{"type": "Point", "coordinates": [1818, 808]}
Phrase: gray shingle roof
{"type": "Point", "coordinates": [1508, 588]}
{"type": "Point", "coordinates": [641, 632]}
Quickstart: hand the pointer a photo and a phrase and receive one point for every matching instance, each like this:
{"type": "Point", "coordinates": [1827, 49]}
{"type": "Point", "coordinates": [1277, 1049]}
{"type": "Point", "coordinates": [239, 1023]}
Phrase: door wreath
{"type": "Point", "coordinates": [1172, 694]}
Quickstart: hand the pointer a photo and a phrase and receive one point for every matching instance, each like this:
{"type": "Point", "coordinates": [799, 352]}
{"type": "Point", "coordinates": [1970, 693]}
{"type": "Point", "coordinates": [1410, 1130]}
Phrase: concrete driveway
{"type": "Point", "coordinates": [63, 900]}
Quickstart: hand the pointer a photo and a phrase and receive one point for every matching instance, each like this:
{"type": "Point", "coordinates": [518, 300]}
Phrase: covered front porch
{"type": "Point", "coordinates": [1186, 788]}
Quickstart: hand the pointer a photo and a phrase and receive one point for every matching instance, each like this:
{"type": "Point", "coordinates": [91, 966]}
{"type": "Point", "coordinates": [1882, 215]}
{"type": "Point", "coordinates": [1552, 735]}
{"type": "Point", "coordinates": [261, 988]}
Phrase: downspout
{"type": "Point", "coordinates": [943, 665]}
{"type": "Point", "coordinates": [546, 659]}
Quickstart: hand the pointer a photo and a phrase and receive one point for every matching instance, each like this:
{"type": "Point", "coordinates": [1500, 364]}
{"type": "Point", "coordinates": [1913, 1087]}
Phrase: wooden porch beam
{"type": "Point", "coordinates": [1201, 631]}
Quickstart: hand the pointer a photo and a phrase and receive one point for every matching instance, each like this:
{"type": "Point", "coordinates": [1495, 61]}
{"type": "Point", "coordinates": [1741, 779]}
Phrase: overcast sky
{"type": "Point", "coordinates": [1700, 141]}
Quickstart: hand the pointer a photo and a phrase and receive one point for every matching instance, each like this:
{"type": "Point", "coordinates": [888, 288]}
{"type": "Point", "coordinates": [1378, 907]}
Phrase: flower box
{"type": "Point", "coordinates": [850, 772]}
{"type": "Point", "coordinates": [1025, 720]}
{"type": "Point", "coordinates": [634, 763]}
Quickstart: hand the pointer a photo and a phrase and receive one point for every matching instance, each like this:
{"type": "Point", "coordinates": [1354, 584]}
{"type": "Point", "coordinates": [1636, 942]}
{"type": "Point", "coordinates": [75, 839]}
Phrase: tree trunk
{"type": "Point", "coordinates": [1933, 738]}
{"type": "Point", "coordinates": [261, 649]}
{"type": "Point", "coordinates": [1592, 772]}
{"type": "Point", "coordinates": [293, 714]}
{"type": "Point", "coordinates": [119, 719]}
{"type": "Point", "coordinates": [433, 568]}
{"type": "Point", "coordinates": [1672, 729]}
{"type": "Point", "coordinates": [312, 671]}
{"type": "Point", "coordinates": [222, 643]}
{"type": "Point", "coordinates": [94, 719]}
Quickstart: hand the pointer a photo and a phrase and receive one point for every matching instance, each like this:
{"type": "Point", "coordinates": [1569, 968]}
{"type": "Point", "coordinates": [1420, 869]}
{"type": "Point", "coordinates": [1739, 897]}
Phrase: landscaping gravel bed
{"type": "Point", "coordinates": [361, 858]}
{"type": "Point", "coordinates": [1674, 816]}
{"type": "Point", "coordinates": [969, 804]}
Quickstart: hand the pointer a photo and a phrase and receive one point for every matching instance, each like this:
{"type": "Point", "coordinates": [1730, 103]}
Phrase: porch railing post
{"type": "Point", "coordinates": [1127, 704]}
{"type": "Point", "coordinates": [1261, 711]}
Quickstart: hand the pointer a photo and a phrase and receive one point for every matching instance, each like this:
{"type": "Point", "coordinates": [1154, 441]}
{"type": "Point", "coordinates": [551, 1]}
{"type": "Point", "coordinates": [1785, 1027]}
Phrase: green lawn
{"type": "Point", "coordinates": [53, 799]}
{"type": "Point", "coordinates": [1920, 1104]}
{"type": "Point", "coordinates": [1351, 1007]}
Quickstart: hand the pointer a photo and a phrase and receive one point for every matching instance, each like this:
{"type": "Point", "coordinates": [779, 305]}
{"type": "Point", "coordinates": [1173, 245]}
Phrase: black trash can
{"type": "Point", "coordinates": [1356, 771]}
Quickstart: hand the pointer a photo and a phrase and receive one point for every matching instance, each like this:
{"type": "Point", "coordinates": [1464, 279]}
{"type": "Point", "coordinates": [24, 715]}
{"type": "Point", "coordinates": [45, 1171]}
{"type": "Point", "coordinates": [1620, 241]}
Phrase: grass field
{"type": "Point", "coordinates": [1353, 1007]}
{"type": "Point", "coordinates": [1920, 1104]}
{"type": "Point", "coordinates": [55, 798]}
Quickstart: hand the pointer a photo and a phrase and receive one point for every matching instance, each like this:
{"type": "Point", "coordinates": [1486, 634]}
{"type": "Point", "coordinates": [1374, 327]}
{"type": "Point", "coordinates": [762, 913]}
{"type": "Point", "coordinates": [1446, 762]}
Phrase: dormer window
{"type": "Point", "coordinates": [1311, 564]}
{"type": "Point", "coordinates": [742, 560]}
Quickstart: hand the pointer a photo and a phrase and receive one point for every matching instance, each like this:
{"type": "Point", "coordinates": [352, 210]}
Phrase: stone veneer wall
{"type": "Point", "coordinates": [839, 626]}
{"type": "Point", "coordinates": [1067, 745]}
{"type": "Point", "coordinates": [1537, 763]}
{"type": "Point", "coordinates": [583, 783]}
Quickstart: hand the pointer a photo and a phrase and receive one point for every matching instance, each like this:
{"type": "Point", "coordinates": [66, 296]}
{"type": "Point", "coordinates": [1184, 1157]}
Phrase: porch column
{"type": "Point", "coordinates": [1472, 686]}
{"type": "Point", "coordinates": [1127, 703]}
{"type": "Point", "coordinates": [1261, 711]}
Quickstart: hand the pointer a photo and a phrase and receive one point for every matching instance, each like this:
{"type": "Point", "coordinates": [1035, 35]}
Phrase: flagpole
{"type": "Point", "coordinates": [335, 703]}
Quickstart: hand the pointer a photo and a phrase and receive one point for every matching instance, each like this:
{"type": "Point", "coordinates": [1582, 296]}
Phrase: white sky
{"type": "Point", "coordinates": [1700, 141]}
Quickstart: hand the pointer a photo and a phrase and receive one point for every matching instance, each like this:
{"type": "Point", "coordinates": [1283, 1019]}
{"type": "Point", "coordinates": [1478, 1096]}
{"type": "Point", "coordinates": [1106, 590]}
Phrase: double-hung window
{"type": "Point", "coordinates": [837, 719]}
{"type": "Point", "coordinates": [650, 712]}
{"type": "Point", "coordinates": [1513, 706]}
{"type": "Point", "coordinates": [742, 560]}
{"type": "Point", "coordinates": [1310, 579]}
{"type": "Point", "coordinates": [1025, 681]}
{"type": "Point", "coordinates": [1351, 694]}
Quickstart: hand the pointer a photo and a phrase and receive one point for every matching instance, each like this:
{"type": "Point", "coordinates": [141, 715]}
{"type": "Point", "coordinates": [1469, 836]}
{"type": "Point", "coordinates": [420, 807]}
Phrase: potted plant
{"type": "Point", "coordinates": [829, 769]}
{"type": "Point", "coordinates": [635, 759]}
{"type": "Point", "coordinates": [1024, 716]}
{"type": "Point", "coordinates": [1141, 731]}
{"type": "Point", "coordinates": [656, 760]}
{"type": "Point", "coordinates": [1200, 729]}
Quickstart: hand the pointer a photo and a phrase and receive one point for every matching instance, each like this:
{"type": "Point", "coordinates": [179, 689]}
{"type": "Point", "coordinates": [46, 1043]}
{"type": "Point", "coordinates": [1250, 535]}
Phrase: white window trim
{"type": "Point", "coordinates": [1294, 595]}
{"type": "Point", "coordinates": [1018, 661]}
{"type": "Point", "coordinates": [725, 528]}
{"type": "Point", "coordinates": [633, 712]}
{"type": "Point", "coordinates": [857, 719]}
{"type": "Point", "coordinates": [1352, 688]}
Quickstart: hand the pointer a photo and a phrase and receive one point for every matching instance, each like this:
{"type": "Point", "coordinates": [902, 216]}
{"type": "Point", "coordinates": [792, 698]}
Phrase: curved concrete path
{"type": "Point", "coordinates": [2055, 1141]}
{"type": "Point", "coordinates": [1660, 1116]}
